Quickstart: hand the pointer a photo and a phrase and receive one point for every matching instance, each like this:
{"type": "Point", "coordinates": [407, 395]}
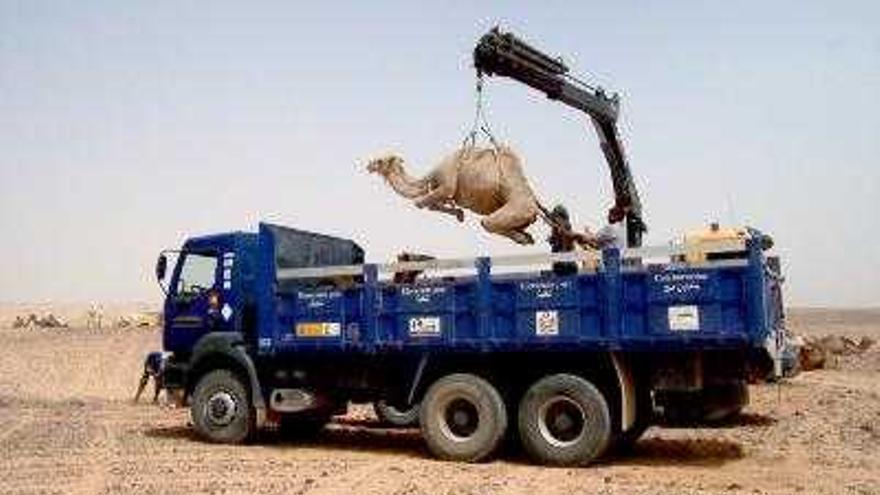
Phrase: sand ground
{"type": "Point", "coordinates": [67, 425]}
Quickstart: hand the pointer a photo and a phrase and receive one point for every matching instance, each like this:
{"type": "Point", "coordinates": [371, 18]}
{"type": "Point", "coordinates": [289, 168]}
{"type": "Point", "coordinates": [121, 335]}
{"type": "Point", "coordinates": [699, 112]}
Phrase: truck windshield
{"type": "Point", "coordinates": [197, 274]}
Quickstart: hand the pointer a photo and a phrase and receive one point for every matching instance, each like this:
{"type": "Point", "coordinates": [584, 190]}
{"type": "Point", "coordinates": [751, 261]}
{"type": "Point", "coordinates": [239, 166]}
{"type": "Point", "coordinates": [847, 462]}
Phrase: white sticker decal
{"type": "Point", "coordinates": [426, 326]}
{"type": "Point", "coordinates": [546, 323]}
{"type": "Point", "coordinates": [684, 318]}
{"type": "Point", "coordinates": [226, 312]}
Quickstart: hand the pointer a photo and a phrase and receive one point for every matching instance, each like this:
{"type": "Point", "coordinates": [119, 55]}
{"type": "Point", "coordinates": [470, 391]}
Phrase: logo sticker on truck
{"type": "Point", "coordinates": [684, 318]}
{"type": "Point", "coordinates": [428, 326]}
{"type": "Point", "coordinates": [318, 329]}
{"type": "Point", "coordinates": [546, 323]}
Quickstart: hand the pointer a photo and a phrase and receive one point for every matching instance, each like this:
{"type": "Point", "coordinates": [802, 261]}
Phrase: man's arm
{"type": "Point", "coordinates": [586, 239]}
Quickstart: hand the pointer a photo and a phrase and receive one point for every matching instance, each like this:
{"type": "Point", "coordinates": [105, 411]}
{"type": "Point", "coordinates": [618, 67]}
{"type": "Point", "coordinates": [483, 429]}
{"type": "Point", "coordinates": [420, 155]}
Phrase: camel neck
{"type": "Point", "coordinates": [405, 185]}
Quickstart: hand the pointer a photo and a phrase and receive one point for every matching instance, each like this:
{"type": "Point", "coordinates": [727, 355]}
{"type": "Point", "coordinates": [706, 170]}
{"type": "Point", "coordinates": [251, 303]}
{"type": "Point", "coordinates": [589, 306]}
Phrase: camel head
{"type": "Point", "coordinates": [385, 165]}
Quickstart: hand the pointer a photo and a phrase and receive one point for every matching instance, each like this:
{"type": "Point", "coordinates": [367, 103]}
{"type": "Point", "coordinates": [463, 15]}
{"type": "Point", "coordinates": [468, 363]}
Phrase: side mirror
{"type": "Point", "coordinates": [161, 267]}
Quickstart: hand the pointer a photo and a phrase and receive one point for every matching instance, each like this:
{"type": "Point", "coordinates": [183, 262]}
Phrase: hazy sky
{"type": "Point", "coordinates": [127, 126]}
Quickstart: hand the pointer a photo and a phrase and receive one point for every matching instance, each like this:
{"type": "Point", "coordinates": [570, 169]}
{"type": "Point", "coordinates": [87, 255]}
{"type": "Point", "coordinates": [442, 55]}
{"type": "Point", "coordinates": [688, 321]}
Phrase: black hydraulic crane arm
{"type": "Point", "coordinates": [503, 54]}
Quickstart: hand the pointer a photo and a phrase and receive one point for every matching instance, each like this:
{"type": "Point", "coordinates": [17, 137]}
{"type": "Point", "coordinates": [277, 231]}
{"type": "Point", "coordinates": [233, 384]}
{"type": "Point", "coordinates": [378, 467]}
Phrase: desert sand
{"type": "Point", "coordinates": [67, 425]}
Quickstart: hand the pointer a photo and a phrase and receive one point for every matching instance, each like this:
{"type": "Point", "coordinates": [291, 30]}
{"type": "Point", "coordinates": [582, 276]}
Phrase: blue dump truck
{"type": "Point", "coordinates": [285, 328]}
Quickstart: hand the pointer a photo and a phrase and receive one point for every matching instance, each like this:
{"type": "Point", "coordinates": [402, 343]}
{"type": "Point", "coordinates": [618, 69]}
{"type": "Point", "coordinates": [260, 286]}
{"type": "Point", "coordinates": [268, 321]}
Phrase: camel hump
{"type": "Point", "coordinates": [504, 149]}
{"type": "Point", "coordinates": [506, 154]}
{"type": "Point", "coordinates": [480, 154]}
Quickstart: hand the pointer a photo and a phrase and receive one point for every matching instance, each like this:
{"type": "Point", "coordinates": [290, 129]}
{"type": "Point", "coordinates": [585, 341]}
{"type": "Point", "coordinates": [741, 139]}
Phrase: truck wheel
{"type": "Point", "coordinates": [221, 410]}
{"type": "Point", "coordinates": [564, 420]}
{"type": "Point", "coordinates": [463, 418]}
{"type": "Point", "coordinates": [393, 416]}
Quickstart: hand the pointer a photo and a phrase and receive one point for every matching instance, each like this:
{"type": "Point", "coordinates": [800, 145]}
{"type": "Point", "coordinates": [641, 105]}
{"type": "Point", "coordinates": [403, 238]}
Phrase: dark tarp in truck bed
{"type": "Point", "coordinates": [300, 249]}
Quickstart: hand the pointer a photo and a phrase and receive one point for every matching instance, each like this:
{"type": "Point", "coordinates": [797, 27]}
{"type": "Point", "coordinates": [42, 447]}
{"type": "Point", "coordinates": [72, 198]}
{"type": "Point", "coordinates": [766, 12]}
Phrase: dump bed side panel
{"type": "Point", "coordinates": [666, 309]}
{"type": "Point", "coordinates": [671, 306]}
{"type": "Point", "coordinates": [686, 303]}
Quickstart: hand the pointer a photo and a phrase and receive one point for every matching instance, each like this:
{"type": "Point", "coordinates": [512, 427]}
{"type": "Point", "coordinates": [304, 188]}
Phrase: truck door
{"type": "Point", "coordinates": [191, 308]}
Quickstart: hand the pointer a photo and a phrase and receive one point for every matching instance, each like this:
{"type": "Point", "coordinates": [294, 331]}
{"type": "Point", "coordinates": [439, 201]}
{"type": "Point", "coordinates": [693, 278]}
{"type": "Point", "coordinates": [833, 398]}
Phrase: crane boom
{"type": "Point", "coordinates": [503, 54]}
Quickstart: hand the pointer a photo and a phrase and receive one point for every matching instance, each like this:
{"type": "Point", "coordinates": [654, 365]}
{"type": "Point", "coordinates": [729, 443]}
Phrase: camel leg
{"type": "Point", "coordinates": [436, 196]}
{"type": "Point", "coordinates": [444, 180]}
{"type": "Point", "coordinates": [511, 220]}
{"type": "Point", "coordinates": [449, 209]}
{"type": "Point", "coordinates": [519, 236]}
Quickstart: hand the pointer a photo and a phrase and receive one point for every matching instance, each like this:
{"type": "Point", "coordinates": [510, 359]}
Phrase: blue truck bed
{"type": "Point", "coordinates": [626, 304]}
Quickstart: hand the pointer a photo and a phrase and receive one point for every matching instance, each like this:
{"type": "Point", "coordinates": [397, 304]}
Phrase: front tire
{"type": "Point", "coordinates": [564, 420]}
{"type": "Point", "coordinates": [463, 418]}
{"type": "Point", "coordinates": [221, 410]}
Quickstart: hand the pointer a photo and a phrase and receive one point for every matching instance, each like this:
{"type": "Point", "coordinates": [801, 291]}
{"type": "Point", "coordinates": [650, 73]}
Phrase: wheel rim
{"type": "Point", "coordinates": [460, 419]}
{"type": "Point", "coordinates": [562, 421]}
{"type": "Point", "coordinates": [221, 408]}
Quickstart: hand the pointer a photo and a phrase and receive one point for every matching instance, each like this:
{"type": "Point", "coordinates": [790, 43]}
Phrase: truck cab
{"type": "Point", "coordinates": [213, 301]}
{"type": "Point", "coordinates": [201, 297]}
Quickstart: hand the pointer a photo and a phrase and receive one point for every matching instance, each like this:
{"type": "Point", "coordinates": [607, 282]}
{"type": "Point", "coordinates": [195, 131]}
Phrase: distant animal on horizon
{"type": "Point", "coordinates": [487, 181]}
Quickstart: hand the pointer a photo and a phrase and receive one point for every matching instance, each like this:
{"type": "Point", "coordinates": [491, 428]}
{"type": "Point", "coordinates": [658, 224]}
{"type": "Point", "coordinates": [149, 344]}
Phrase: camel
{"type": "Point", "coordinates": [487, 181]}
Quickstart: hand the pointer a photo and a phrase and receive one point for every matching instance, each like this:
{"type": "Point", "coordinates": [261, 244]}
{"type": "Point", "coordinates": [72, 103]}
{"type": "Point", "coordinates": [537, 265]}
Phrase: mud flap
{"type": "Point", "coordinates": [627, 386]}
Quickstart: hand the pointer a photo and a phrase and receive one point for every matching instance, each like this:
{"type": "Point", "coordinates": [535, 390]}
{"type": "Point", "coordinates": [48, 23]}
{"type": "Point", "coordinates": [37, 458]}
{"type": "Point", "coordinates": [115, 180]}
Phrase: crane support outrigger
{"type": "Point", "coordinates": [503, 54]}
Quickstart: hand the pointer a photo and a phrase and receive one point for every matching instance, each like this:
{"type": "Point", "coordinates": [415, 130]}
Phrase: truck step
{"type": "Point", "coordinates": [290, 400]}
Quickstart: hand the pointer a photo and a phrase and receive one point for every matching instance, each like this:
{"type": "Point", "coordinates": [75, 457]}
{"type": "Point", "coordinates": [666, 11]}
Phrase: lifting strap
{"type": "Point", "coordinates": [480, 124]}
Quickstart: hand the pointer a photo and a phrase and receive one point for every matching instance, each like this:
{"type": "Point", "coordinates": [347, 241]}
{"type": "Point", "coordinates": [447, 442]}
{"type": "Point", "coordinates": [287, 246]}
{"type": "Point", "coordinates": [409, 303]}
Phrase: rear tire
{"type": "Point", "coordinates": [564, 420]}
{"type": "Point", "coordinates": [463, 418]}
{"type": "Point", "coordinates": [221, 409]}
{"type": "Point", "coordinates": [392, 416]}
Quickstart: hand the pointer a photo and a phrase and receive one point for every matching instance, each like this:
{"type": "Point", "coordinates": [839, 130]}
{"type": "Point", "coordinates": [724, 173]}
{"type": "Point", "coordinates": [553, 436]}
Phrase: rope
{"type": "Point", "coordinates": [481, 123]}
